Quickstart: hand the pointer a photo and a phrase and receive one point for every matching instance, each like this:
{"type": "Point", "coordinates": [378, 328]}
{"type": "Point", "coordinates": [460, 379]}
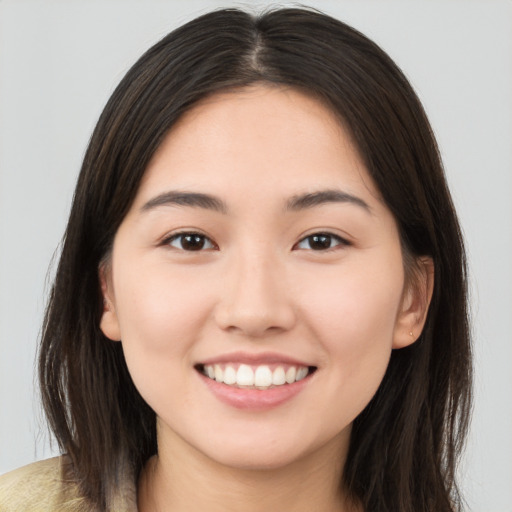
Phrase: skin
{"type": "Point", "coordinates": [257, 286]}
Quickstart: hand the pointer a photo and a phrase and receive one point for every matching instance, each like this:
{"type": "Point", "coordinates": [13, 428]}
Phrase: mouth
{"type": "Point", "coordinates": [259, 377]}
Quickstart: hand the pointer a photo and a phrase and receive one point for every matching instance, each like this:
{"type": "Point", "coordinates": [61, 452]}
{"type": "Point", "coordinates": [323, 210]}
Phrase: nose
{"type": "Point", "coordinates": [255, 300]}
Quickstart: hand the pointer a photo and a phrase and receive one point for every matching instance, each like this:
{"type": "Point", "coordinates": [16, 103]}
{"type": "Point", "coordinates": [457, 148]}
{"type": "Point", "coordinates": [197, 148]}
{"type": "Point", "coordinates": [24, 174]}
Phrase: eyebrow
{"type": "Point", "coordinates": [305, 201]}
{"type": "Point", "coordinates": [295, 203]}
{"type": "Point", "coordinates": [193, 199]}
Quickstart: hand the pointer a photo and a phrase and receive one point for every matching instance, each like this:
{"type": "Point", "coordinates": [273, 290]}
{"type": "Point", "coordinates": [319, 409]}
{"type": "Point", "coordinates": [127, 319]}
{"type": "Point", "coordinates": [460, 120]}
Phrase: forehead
{"type": "Point", "coordinates": [260, 139]}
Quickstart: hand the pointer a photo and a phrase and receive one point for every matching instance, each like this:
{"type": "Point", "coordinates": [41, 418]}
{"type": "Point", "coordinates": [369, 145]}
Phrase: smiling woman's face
{"type": "Point", "coordinates": [257, 251]}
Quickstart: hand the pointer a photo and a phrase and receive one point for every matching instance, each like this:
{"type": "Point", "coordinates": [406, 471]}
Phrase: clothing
{"type": "Point", "coordinates": [45, 487]}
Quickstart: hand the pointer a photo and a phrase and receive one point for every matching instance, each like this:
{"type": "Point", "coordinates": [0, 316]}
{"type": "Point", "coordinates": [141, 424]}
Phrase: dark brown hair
{"type": "Point", "coordinates": [405, 444]}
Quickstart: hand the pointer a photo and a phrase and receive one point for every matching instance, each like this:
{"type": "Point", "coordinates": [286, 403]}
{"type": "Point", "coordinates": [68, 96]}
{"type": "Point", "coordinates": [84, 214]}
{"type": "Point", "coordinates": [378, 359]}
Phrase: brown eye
{"type": "Point", "coordinates": [190, 242]}
{"type": "Point", "coordinates": [321, 242]}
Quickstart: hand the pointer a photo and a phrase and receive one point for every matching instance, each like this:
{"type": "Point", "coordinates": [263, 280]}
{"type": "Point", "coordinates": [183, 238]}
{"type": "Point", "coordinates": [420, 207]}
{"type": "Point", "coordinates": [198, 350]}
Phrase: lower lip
{"type": "Point", "coordinates": [254, 399]}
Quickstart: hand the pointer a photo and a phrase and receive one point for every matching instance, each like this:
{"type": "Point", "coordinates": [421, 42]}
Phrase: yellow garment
{"type": "Point", "coordinates": [43, 487]}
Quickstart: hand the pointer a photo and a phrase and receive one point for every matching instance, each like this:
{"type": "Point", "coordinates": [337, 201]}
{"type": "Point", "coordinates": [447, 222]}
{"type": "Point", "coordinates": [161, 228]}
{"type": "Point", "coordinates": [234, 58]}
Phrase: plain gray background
{"type": "Point", "coordinates": [59, 62]}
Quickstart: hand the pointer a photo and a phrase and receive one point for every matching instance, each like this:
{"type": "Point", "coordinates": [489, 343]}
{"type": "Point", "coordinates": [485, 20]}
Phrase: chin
{"type": "Point", "coordinates": [268, 453]}
{"type": "Point", "coordinates": [256, 460]}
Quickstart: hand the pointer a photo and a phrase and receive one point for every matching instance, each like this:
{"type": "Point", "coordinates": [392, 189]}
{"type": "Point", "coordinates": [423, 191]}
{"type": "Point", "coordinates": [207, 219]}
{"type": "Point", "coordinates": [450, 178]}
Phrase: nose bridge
{"type": "Point", "coordinates": [255, 298]}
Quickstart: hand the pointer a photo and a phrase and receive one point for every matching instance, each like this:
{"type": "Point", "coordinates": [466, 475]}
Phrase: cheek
{"type": "Point", "coordinates": [161, 319]}
{"type": "Point", "coordinates": [353, 316]}
{"type": "Point", "coordinates": [158, 308]}
{"type": "Point", "coordinates": [352, 306]}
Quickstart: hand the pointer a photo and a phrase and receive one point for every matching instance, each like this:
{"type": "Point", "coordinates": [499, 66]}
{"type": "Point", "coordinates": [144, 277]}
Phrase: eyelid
{"type": "Point", "coordinates": [343, 242]}
{"type": "Point", "coordinates": [170, 237]}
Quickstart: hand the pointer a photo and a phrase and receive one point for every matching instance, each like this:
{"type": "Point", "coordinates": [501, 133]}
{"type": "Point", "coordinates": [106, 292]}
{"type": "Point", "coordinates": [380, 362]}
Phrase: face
{"type": "Point", "coordinates": [257, 282]}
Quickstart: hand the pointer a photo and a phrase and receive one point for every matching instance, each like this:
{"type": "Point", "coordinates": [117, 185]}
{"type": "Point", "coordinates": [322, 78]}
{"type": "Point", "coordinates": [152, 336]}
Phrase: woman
{"type": "Point", "coordinates": [261, 298]}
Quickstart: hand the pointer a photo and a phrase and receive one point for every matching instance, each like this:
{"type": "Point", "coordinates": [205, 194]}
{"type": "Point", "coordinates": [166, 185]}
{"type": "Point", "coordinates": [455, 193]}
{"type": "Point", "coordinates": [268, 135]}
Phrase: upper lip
{"type": "Point", "coordinates": [254, 359]}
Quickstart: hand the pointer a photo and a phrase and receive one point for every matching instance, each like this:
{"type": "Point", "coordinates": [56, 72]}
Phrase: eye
{"type": "Point", "coordinates": [321, 242]}
{"type": "Point", "coordinates": [190, 242]}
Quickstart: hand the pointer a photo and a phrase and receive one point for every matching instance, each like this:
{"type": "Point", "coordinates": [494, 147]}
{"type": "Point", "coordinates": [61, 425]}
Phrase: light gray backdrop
{"type": "Point", "coordinates": [59, 62]}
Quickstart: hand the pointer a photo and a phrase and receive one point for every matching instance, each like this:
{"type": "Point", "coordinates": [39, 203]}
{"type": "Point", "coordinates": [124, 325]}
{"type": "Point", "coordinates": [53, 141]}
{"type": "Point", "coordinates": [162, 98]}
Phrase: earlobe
{"type": "Point", "coordinates": [109, 323]}
{"type": "Point", "coordinates": [415, 304]}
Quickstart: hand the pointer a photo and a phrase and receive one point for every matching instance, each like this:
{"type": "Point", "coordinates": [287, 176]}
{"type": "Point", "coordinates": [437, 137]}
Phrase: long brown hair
{"type": "Point", "coordinates": [405, 444]}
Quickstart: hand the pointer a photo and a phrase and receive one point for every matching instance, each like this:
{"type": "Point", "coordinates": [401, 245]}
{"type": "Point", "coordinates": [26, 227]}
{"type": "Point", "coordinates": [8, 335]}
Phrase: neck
{"type": "Point", "coordinates": [182, 480]}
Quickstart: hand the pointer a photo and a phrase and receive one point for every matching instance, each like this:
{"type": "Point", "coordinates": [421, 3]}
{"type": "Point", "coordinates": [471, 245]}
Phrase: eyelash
{"type": "Point", "coordinates": [203, 239]}
{"type": "Point", "coordinates": [183, 234]}
{"type": "Point", "coordinates": [340, 242]}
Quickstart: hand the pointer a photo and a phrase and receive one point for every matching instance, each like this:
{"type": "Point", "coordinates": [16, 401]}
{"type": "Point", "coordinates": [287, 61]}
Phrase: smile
{"type": "Point", "coordinates": [260, 377]}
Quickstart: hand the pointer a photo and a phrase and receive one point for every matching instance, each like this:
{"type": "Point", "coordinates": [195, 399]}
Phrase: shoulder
{"type": "Point", "coordinates": [41, 486]}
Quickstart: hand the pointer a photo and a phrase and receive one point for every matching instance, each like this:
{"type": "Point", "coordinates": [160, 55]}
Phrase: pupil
{"type": "Point", "coordinates": [192, 242]}
{"type": "Point", "coordinates": [319, 242]}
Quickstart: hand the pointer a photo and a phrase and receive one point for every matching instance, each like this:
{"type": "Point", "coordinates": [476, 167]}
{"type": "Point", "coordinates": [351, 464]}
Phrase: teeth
{"type": "Point", "coordinates": [290, 375]}
{"type": "Point", "coordinates": [278, 377]}
{"type": "Point", "coordinates": [245, 376]}
{"type": "Point", "coordinates": [262, 377]}
{"type": "Point", "coordinates": [229, 375]}
{"type": "Point", "coordinates": [301, 373]}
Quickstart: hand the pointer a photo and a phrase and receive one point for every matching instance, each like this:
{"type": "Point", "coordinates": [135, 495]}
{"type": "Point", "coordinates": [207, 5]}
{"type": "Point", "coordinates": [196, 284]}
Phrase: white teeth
{"type": "Point", "coordinates": [290, 375]}
{"type": "Point", "coordinates": [262, 377]}
{"type": "Point", "coordinates": [229, 375]}
{"type": "Point", "coordinates": [301, 373]}
{"type": "Point", "coordinates": [278, 377]}
{"type": "Point", "coordinates": [245, 376]}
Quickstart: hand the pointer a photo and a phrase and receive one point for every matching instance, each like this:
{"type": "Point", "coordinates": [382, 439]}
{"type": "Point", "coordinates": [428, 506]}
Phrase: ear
{"type": "Point", "coordinates": [415, 303]}
{"type": "Point", "coordinates": [109, 323]}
